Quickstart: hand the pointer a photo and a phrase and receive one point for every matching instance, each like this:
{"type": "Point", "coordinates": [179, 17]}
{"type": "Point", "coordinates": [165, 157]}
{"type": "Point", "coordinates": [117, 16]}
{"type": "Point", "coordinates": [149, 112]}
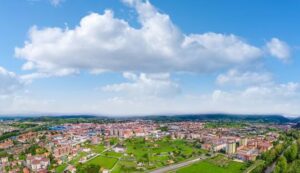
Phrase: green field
{"type": "Point", "coordinates": [96, 148]}
{"type": "Point", "coordinates": [75, 160]}
{"type": "Point", "coordinates": [124, 166]}
{"type": "Point", "coordinates": [112, 154]}
{"type": "Point", "coordinates": [154, 154]}
{"type": "Point", "coordinates": [158, 153]}
{"type": "Point", "coordinates": [141, 155]}
{"type": "Point", "coordinates": [61, 168]}
{"type": "Point", "coordinates": [102, 161]}
{"type": "Point", "coordinates": [218, 164]}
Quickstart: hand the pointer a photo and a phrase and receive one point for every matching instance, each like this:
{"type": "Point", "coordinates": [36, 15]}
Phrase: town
{"type": "Point", "coordinates": [137, 146]}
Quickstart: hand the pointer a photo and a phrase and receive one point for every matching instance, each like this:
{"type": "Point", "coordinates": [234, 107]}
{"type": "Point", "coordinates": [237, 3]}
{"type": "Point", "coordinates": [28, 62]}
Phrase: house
{"type": "Point", "coordinates": [247, 153]}
{"type": "Point", "coordinates": [127, 134]}
{"type": "Point", "coordinates": [26, 170]}
{"type": "Point", "coordinates": [119, 149]}
{"type": "Point", "coordinates": [62, 150]}
{"type": "Point", "coordinates": [37, 163]}
{"type": "Point", "coordinates": [264, 146]}
{"type": "Point", "coordinates": [6, 144]}
{"type": "Point", "coordinates": [27, 137]}
{"type": "Point", "coordinates": [71, 168]}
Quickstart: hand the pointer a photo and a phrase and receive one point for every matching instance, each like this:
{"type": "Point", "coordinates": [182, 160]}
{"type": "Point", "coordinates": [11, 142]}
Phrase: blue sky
{"type": "Point", "coordinates": [134, 57]}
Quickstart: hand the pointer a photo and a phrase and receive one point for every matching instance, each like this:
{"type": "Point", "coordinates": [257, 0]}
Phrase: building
{"type": "Point", "coordinates": [247, 154]}
{"type": "Point", "coordinates": [218, 146]}
{"type": "Point", "coordinates": [27, 137]}
{"type": "Point", "coordinates": [243, 141]}
{"type": "Point", "coordinates": [6, 144]}
{"type": "Point", "coordinates": [127, 134]}
{"type": "Point", "coordinates": [231, 147]}
{"type": "Point", "coordinates": [26, 170]}
{"type": "Point", "coordinates": [119, 149]}
{"type": "Point", "coordinates": [62, 150]}
{"type": "Point", "coordinates": [37, 163]}
{"type": "Point", "coordinates": [264, 146]}
{"type": "Point", "coordinates": [95, 140]}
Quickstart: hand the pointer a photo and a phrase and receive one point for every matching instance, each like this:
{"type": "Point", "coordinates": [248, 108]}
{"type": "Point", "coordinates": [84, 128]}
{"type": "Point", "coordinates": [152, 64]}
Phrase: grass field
{"type": "Point", "coordinates": [218, 164]}
{"type": "Point", "coordinates": [141, 155]}
{"type": "Point", "coordinates": [61, 168]}
{"type": "Point", "coordinates": [77, 158]}
{"type": "Point", "coordinates": [124, 166]}
{"type": "Point", "coordinates": [102, 161]}
{"type": "Point", "coordinates": [160, 153]}
{"type": "Point", "coordinates": [112, 154]}
{"type": "Point", "coordinates": [96, 148]}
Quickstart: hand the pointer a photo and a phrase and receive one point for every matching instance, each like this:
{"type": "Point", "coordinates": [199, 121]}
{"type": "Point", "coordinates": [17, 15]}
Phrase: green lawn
{"type": "Point", "coordinates": [158, 153]}
{"type": "Point", "coordinates": [102, 161]}
{"type": "Point", "coordinates": [77, 158]}
{"type": "Point", "coordinates": [218, 164]}
{"type": "Point", "coordinates": [152, 154]}
{"type": "Point", "coordinates": [124, 166]}
{"type": "Point", "coordinates": [61, 168]}
{"type": "Point", "coordinates": [112, 154]}
{"type": "Point", "coordinates": [97, 148]}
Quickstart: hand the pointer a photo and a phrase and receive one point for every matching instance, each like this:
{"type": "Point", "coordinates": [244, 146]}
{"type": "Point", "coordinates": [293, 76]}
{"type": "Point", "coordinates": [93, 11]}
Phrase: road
{"type": "Point", "coordinates": [177, 166]}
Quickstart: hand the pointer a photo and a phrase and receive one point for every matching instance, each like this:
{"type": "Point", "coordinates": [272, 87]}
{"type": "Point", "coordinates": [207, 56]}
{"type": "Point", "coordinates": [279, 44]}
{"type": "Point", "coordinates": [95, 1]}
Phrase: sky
{"type": "Point", "coordinates": [140, 57]}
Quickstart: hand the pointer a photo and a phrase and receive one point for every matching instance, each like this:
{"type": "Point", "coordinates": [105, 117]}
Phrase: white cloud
{"type": "Point", "coordinates": [102, 42]}
{"type": "Point", "coordinates": [145, 85]}
{"type": "Point", "coordinates": [56, 2]}
{"type": "Point", "coordinates": [9, 82]}
{"type": "Point", "coordinates": [150, 53]}
{"type": "Point", "coordinates": [237, 78]}
{"type": "Point", "coordinates": [271, 99]}
{"type": "Point", "coordinates": [275, 98]}
{"type": "Point", "coordinates": [279, 49]}
{"type": "Point", "coordinates": [274, 92]}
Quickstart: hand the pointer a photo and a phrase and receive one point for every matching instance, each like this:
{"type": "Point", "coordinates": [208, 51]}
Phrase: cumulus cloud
{"type": "Point", "coordinates": [150, 85]}
{"type": "Point", "coordinates": [102, 42]}
{"type": "Point", "coordinates": [279, 49]}
{"type": "Point", "coordinates": [238, 78]}
{"type": "Point", "coordinates": [9, 82]}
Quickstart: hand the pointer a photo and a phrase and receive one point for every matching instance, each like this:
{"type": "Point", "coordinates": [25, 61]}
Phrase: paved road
{"type": "Point", "coordinates": [176, 166]}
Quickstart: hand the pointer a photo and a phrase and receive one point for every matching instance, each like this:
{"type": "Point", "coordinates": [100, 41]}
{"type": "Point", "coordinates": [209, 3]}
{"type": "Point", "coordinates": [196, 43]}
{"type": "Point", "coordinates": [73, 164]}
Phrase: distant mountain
{"type": "Point", "coordinates": [215, 117]}
{"type": "Point", "coordinates": [295, 120]}
{"type": "Point", "coordinates": [182, 117]}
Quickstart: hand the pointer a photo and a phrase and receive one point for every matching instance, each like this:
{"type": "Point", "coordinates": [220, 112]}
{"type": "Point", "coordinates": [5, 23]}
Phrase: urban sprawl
{"type": "Point", "coordinates": [134, 146]}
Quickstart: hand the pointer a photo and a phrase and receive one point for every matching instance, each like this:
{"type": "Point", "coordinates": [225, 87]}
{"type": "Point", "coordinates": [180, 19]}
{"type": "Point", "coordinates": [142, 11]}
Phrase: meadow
{"type": "Point", "coordinates": [218, 164]}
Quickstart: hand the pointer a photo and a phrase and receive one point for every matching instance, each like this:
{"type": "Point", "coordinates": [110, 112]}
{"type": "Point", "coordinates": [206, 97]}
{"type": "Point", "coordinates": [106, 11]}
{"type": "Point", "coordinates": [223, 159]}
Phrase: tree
{"type": "Point", "coordinates": [269, 156]}
{"type": "Point", "coordinates": [281, 165]}
{"type": "Point", "coordinates": [258, 169]}
{"type": "Point", "coordinates": [88, 168]}
{"type": "Point", "coordinates": [93, 169]}
{"type": "Point", "coordinates": [291, 153]}
{"type": "Point", "coordinates": [295, 167]}
{"type": "Point", "coordinates": [298, 145]}
{"type": "Point", "coordinates": [279, 148]}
